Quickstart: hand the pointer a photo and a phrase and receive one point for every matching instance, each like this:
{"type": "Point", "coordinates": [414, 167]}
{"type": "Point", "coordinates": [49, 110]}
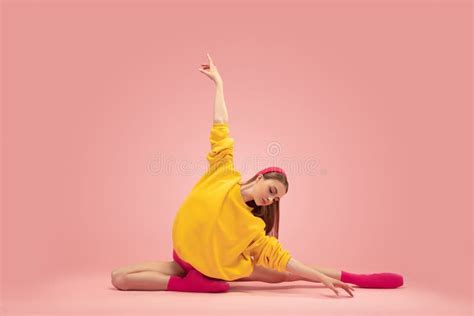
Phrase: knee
{"type": "Point", "coordinates": [291, 277]}
{"type": "Point", "coordinates": [281, 278]}
{"type": "Point", "coordinates": [276, 278]}
{"type": "Point", "coordinates": [119, 280]}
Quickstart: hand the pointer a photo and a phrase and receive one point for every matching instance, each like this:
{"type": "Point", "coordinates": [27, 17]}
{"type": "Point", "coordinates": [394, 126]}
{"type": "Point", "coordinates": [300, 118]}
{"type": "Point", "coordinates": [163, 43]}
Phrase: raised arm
{"type": "Point", "coordinates": [221, 153]}
{"type": "Point", "coordinates": [220, 110]}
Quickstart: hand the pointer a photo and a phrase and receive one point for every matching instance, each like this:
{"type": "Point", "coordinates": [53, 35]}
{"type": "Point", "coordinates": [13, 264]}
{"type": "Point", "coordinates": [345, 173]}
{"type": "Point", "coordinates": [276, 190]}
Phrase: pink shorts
{"type": "Point", "coordinates": [186, 266]}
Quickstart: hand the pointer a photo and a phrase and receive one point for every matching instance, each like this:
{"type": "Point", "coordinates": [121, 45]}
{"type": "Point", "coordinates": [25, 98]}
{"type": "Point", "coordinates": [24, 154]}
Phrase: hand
{"type": "Point", "coordinates": [333, 283]}
{"type": "Point", "coordinates": [210, 70]}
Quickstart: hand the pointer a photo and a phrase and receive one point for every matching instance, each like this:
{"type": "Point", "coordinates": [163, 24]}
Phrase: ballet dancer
{"type": "Point", "coordinates": [226, 229]}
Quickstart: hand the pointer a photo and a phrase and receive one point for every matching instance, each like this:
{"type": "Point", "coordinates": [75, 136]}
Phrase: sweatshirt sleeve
{"type": "Point", "coordinates": [222, 146]}
{"type": "Point", "coordinates": [268, 252]}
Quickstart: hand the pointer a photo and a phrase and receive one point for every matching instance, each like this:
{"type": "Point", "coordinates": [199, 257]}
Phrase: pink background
{"type": "Point", "coordinates": [105, 126]}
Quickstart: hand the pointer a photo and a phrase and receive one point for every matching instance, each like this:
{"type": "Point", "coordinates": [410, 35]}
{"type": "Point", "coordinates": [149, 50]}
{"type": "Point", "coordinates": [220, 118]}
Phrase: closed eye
{"type": "Point", "coordinates": [277, 199]}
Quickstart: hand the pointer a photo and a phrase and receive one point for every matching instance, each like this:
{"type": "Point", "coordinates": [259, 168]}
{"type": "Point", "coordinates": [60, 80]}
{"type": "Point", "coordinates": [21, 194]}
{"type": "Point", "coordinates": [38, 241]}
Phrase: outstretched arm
{"type": "Point", "coordinates": [268, 252]}
{"type": "Point", "coordinates": [298, 268]}
{"type": "Point", "coordinates": [220, 110]}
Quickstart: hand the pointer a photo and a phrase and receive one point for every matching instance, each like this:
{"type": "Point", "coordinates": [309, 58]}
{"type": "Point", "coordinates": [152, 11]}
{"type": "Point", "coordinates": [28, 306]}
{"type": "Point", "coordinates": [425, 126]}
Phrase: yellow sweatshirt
{"type": "Point", "coordinates": [214, 229]}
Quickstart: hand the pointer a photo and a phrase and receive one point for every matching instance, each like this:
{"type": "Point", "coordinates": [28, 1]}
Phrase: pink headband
{"type": "Point", "coordinates": [272, 169]}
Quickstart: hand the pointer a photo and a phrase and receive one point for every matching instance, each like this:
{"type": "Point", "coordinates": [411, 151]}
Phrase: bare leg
{"type": "Point", "coordinates": [148, 275]}
{"type": "Point", "coordinates": [145, 281]}
{"type": "Point", "coordinates": [165, 267]}
{"type": "Point", "coordinates": [333, 273]}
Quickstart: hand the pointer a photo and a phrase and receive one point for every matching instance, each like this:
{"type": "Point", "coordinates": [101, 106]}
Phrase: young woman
{"type": "Point", "coordinates": [227, 230]}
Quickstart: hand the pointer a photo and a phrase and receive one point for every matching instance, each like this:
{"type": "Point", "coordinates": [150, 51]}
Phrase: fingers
{"type": "Point", "coordinates": [339, 283]}
{"type": "Point", "coordinates": [347, 288]}
{"type": "Point", "coordinates": [330, 285]}
{"type": "Point", "coordinates": [350, 287]}
{"type": "Point", "coordinates": [334, 289]}
{"type": "Point", "coordinates": [349, 292]}
{"type": "Point", "coordinates": [209, 57]}
{"type": "Point", "coordinates": [203, 71]}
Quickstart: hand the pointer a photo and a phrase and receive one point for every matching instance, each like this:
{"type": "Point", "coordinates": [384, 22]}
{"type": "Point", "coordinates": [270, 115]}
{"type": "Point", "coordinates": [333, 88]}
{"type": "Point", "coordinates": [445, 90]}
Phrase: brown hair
{"type": "Point", "coordinates": [270, 214]}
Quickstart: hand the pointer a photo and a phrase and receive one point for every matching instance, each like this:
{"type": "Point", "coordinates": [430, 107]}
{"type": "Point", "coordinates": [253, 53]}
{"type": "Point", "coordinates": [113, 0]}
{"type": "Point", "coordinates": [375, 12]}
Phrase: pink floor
{"type": "Point", "coordinates": [90, 295]}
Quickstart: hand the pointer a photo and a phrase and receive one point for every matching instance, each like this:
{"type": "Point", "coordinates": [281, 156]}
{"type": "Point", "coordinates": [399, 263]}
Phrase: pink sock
{"type": "Point", "coordinates": [374, 280]}
{"type": "Point", "coordinates": [195, 281]}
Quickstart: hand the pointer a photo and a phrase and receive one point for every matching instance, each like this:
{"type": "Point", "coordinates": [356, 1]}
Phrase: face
{"type": "Point", "coordinates": [265, 191]}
